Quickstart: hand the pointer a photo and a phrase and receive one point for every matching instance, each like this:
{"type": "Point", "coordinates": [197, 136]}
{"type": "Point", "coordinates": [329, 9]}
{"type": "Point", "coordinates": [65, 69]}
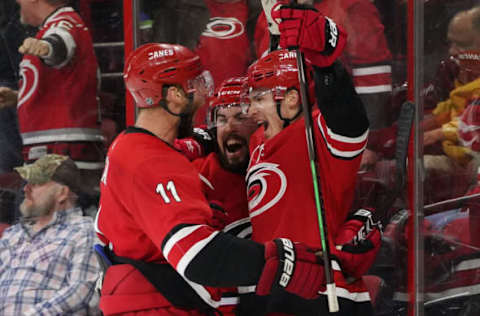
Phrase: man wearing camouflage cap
{"type": "Point", "coordinates": [47, 262]}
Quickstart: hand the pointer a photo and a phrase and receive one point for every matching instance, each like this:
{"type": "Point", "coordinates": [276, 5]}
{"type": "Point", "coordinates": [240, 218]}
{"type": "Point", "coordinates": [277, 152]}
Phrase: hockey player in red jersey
{"type": "Point", "coordinates": [56, 102]}
{"type": "Point", "coordinates": [280, 189]}
{"type": "Point", "coordinates": [223, 171]}
{"type": "Point", "coordinates": [155, 221]}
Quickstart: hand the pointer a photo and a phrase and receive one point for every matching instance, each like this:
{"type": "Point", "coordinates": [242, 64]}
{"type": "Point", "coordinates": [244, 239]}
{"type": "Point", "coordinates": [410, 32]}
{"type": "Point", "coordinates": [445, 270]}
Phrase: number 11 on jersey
{"type": "Point", "coordinates": [168, 191]}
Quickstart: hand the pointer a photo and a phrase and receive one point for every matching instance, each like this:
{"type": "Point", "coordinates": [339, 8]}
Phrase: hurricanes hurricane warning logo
{"type": "Point", "coordinates": [266, 185]}
{"type": "Point", "coordinates": [223, 28]}
{"type": "Point", "coordinates": [28, 81]}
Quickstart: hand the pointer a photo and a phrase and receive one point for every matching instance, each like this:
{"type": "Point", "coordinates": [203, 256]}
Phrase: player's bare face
{"type": "Point", "coordinates": [234, 129]}
{"type": "Point", "coordinates": [39, 201]}
{"type": "Point", "coordinates": [263, 110]}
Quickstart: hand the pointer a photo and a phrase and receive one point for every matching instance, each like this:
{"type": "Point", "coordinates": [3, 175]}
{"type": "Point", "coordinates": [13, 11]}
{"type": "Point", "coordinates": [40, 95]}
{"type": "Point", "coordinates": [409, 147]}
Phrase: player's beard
{"type": "Point", "coordinates": [185, 129]}
{"type": "Point", "coordinates": [240, 166]}
{"type": "Point", "coordinates": [32, 210]}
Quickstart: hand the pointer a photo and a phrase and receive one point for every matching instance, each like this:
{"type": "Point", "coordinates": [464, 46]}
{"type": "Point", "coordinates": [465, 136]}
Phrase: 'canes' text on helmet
{"type": "Point", "coordinates": [152, 66]}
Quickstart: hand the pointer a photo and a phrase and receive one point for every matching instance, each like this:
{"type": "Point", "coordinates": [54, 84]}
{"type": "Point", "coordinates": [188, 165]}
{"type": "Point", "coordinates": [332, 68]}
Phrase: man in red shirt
{"type": "Point", "coordinates": [57, 100]}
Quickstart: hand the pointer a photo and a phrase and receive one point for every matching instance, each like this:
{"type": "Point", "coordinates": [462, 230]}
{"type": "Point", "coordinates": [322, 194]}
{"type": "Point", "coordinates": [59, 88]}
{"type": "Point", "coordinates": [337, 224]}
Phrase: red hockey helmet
{"type": "Point", "coordinates": [275, 72]}
{"type": "Point", "coordinates": [154, 65]}
{"type": "Point", "coordinates": [232, 92]}
{"type": "Point", "coordinates": [469, 126]}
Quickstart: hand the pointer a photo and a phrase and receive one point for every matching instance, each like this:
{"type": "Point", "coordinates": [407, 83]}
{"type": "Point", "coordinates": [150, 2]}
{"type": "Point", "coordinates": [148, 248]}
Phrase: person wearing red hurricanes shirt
{"type": "Point", "coordinates": [155, 222]}
{"type": "Point", "coordinates": [279, 184]}
{"type": "Point", "coordinates": [57, 100]}
{"type": "Point", "coordinates": [226, 30]}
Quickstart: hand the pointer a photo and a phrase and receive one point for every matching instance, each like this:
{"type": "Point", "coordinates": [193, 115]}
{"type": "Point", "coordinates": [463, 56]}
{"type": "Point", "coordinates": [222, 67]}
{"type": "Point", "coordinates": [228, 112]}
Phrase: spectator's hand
{"type": "Point", "coordinates": [317, 36]}
{"type": "Point", "coordinates": [36, 47]}
{"type": "Point", "coordinates": [369, 159]}
{"type": "Point", "coordinates": [433, 136]}
{"type": "Point", "coordinates": [8, 97]}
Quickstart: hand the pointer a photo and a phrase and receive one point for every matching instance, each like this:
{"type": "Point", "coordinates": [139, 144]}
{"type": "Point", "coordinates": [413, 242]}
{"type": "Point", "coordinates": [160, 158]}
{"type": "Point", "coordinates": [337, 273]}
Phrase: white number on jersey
{"type": "Point", "coordinates": [170, 190]}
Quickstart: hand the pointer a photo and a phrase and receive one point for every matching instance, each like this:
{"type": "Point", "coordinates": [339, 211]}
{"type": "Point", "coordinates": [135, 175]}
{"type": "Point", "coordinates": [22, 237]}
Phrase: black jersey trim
{"type": "Point", "coordinates": [227, 261]}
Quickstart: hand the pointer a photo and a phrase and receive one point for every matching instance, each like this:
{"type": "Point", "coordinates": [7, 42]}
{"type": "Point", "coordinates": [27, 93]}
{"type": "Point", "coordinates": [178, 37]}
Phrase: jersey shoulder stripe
{"type": "Point", "coordinates": [180, 247]}
{"type": "Point", "coordinates": [341, 146]}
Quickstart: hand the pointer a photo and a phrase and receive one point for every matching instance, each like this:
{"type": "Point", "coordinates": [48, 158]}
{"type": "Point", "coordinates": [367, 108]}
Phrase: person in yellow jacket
{"type": "Point", "coordinates": [454, 165]}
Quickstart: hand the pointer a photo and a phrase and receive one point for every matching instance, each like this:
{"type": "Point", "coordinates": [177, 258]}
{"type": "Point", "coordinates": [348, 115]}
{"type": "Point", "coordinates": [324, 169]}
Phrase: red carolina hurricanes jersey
{"type": "Point", "coordinates": [59, 103]}
{"type": "Point", "coordinates": [224, 47]}
{"type": "Point", "coordinates": [366, 55]}
{"type": "Point", "coordinates": [148, 189]}
{"type": "Point", "coordinates": [223, 186]}
{"type": "Point", "coordinates": [280, 189]}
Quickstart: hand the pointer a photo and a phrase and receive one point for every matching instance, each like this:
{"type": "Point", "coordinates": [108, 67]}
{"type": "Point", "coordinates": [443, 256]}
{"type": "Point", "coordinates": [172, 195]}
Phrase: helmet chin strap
{"type": "Point", "coordinates": [185, 113]}
{"type": "Point", "coordinates": [287, 121]}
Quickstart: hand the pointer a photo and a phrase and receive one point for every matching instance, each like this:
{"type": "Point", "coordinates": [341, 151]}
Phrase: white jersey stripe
{"type": "Point", "coordinates": [192, 252]}
{"type": "Point", "coordinates": [374, 89]}
{"type": "Point", "coordinates": [343, 153]}
{"type": "Point", "coordinates": [203, 293]}
{"type": "Point", "coordinates": [205, 180]}
{"type": "Point", "coordinates": [341, 138]}
{"type": "Point", "coordinates": [352, 296]}
{"type": "Point", "coordinates": [55, 15]}
{"type": "Point", "coordinates": [468, 265]}
{"type": "Point", "coordinates": [229, 301]}
{"type": "Point", "coordinates": [365, 71]}
{"type": "Point", "coordinates": [62, 135]}
{"type": "Point", "coordinates": [246, 233]}
{"type": "Point", "coordinates": [69, 43]}
{"type": "Point", "coordinates": [236, 223]}
{"type": "Point", "coordinates": [182, 233]}
{"type": "Point", "coordinates": [457, 291]}
{"type": "Point", "coordinates": [246, 289]}
{"type": "Point", "coordinates": [187, 258]}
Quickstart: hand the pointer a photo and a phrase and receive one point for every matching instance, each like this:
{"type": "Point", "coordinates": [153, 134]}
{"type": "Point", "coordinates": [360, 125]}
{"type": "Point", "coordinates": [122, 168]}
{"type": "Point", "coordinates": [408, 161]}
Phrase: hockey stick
{"type": "Point", "coordinates": [404, 123]}
{"type": "Point", "coordinates": [438, 207]}
{"type": "Point", "coordinates": [268, 6]}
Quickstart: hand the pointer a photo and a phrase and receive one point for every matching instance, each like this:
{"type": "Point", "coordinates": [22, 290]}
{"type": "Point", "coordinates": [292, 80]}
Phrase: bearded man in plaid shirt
{"type": "Point", "coordinates": [47, 262]}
